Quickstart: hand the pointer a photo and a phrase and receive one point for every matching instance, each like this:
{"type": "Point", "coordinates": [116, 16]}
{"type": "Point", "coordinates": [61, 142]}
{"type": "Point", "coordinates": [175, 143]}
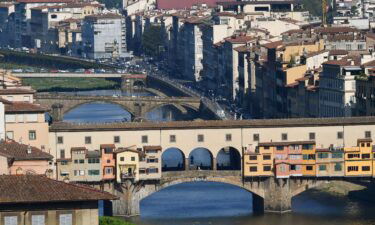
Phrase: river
{"type": "Point", "coordinates": [207, 203]}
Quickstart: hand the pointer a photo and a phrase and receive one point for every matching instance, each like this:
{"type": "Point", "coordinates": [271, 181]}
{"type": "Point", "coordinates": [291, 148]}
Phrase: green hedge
{"type": "Point", "coordinates": [106, 220]}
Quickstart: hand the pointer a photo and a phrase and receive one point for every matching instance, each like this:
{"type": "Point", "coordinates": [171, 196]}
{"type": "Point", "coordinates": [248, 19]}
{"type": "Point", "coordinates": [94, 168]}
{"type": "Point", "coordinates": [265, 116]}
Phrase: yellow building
{"type": "Point", "coordinates": [308, 160]}
{"type": "Point", "coordinates": [258, 161]}
{"type": "Point", "coordinates": [127, 164]}
{"type": "Point", "coordinates": [358, 159]}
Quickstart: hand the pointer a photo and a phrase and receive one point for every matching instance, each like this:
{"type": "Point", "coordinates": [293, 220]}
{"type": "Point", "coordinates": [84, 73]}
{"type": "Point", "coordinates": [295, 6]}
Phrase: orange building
{"type": "Point", "coordinates": [108, 161]}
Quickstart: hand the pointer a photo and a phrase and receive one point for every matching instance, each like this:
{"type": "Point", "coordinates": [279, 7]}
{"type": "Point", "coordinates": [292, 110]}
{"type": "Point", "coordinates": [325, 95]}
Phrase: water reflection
{"type": "Point", "coordinates": [97, 112]}
{"type": "Point", "coordinates": [109, 92]}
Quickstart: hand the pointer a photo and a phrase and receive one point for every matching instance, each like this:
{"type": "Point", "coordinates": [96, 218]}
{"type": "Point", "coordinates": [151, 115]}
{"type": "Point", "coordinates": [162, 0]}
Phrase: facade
{"type": "Point", "coordinates": [127, 164]}
{"type": "Point", "coordinates": [83, 166]}
{"type": "Point", "coordinates": [25, 123]}
{"type": "Point", "coordinates": [18, 94]}
{"type": "Point", "coordinates": [108, 161]}
{"type": "Point", "coordinates": [31, 199]}
{"type": "Point", "coordinates": [358, 159]}
{"type": "Point", "coordinates": [103, 36]}
{"type": "Point", "coordinates": [18, 159]}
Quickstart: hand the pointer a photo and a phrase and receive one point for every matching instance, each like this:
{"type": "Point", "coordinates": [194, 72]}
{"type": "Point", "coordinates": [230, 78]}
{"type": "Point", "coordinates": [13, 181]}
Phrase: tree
{"type": "Point", "coordinates": [110, 4]}
{"type": "Point", "coordinates": [353, 10]}
{"type": "Point", "coordinates": [105, 220]}
{"type": "Point", "coordinates": [152, 41]}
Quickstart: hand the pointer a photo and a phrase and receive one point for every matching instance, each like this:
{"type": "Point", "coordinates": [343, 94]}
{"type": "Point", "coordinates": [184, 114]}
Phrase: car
{"type": "Point", "coordinates": [43, 70]}
{"type": "Point", "coordinates": [53, 71]}
{"type": "Point", "coordinates": [79, 70]}
{"type": "Point", "coordinates": [17, 70]}
{"type": "Point", "coordinates": [29, 70]}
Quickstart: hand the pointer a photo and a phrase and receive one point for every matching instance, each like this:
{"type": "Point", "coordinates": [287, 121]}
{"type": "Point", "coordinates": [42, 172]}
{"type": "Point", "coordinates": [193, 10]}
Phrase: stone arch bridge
{"type": "Point", "coordinates": [269, 194]}
{"type": "Point", "coordinates": [136, 106]}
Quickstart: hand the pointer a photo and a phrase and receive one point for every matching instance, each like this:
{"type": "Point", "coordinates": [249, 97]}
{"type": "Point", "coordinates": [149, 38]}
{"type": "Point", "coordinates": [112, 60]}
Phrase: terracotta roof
{"type": "Point", "coordinates": [370, 35]}
{"type": "Point", "coordinates": [195, 19]}
{"type": "Point", "coordinates": [371, 63]}
{"type": "Point", "coordinates": [129, 149]}
{"type": "Point", "coordinates": [335, 30]}
{"type": "Point", "coordinates": [338, 52]}
{"type": "Point", "coordinates": [244, 48]}
{"type": "Point", "coordinates": [78, 149]}
{"type": "Point", "coordinates": [16, 91]}
{"type": "Point", "coordinates": [211, 124]}
{"type": "Point", "coordinates": [311, 54]}
{"type": "Point", "coordinates": [240, 39]}
{"type": "Point", "coordinates": [24, 107]}
{"type": "Point", "coordinates": [44, 1]}
{"type": "Point", "coordinates": [337, 62]}
{"type": "Point", "coordinates": [107, 146]}
{"type": "Point", "coordinates": [173, 4]}
{"type": "Point", "coordinates": [274, 44]}
{"type": "Point", "coordinates": [364, 140]}
{"type": "Point", "coordinates": [150, 148]}
{"type": "Point", "coordinates": [275, 2]}
{"type": "Point", "coordinates": [103, 16]}
{"type": "Point", "coordinates": [286, 143]}
{"type": "Point", "coordinates": [18, 151]}
{"type": "Point", "coordinates": [293, 31]}
{"type": "Point", "coordinates": [40, 189]}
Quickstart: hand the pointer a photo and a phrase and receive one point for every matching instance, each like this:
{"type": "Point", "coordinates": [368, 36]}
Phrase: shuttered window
{"type": "Point", "coordinates": [10, 220]}
{"type": "Point", "coordinates": [66, 219]}
{"type": "Point", "coordinates": [38, 220]}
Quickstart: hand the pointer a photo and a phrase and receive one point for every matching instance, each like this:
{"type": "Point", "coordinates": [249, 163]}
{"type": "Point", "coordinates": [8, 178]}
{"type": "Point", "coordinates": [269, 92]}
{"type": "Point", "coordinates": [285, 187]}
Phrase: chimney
{"type": "Point", "coordinates": [28, 149]}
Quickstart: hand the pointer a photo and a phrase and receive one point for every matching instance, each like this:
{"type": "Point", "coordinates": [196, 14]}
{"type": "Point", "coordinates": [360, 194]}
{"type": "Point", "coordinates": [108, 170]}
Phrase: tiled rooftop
{"type": "Point", "coordinates": [17, 151]}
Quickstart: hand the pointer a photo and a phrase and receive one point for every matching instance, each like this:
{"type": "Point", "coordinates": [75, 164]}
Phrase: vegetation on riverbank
{"type": "Point", "coordinates": [70, 84]}
{"type": "Point", "coordinates": [106, 220]}
{"type": "Point", "coordinates": [10, 66]}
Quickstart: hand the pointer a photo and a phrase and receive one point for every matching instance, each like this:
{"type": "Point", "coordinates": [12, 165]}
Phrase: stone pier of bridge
{"type": "Point", "coordinates": [270, 194]}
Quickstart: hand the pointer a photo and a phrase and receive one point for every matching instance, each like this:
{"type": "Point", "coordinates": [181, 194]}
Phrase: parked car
{"type": "Point", "coordinates": [53, 71]}
{"type": "Point", "coordinates": [79, 70]}
{"type": "Point", "coordinates": [17, 70]}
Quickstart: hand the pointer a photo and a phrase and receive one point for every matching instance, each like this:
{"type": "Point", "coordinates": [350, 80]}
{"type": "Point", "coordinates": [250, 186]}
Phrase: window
{"type": "Point", "coordinates": [32, 135]}
{"type": "Point", "coordinates": [108, 150]}
{"type": "Point", "coordinates": [122, 159]}
{"type": "Point", "coordinates": [53, 16]}
{"type": "Point", "coordinates": [365, 156]}
{"type": "Point", "coordinates": [255, 137]}
{"type": "Point", "coordinates": [228, 137]}
{"type": "Point", "coordinates": [32, 117]}
{"type": "Point", "coordinates": [253, 157]}
{"type": "Point", "coordinates": [266, 168]}
{"type": "Point", "coordinates": [309, 168]}
{"type": "Point", "coordinates": [352, 168]}
{"type": "Point", "coordinates": [365, 168]}
{"type": "Point", "coordinates": [322, 167]}
{"type": "Point", "coordinates": [60, 140]}
{"type": "Point", "coordinates": [144, 139]}
{"type": "Point", "coordinates": [108, 170]}
{"type": "Point", "coordinates": [367, 134]}
{"type": "Point", "coordinates": [280, 148]}
{"type": "Point", "coordinates": [132, 158]}
{"type": "Point", "coordinates": [93, 172]}
{"type": "Point", "coordinates": [87, 140]}
{"type": "Point", "coordinates": [65, 219]}
{"type": "Point", "coordinates": [152, 170]}
{"type": "Point", "coordinates": [284, 136]}
{"type": "Point", "coordinates": [152, 160]}
{"type": "Point", "coordinates": [26, 98]}
{"type": "Point", "coordinates": [10, 135]}
{"type": "Point", "coordinates": [76, 161]}
{"type": "Point", "coordinates": [10, 118]}
{"type": "Point", "coordinates": [338, 167]}
{"type": "Point", "coordinates": [337, 155]}
{"type": "Point", "coordinates": [308, 146]}
{"type": "Point", "coordinates": [200, 138]}
{"type": "Point", "coordinates": [322, 155]}
{"type": "Point", "coordinates": [116, 139]}
{"type": "Point", "coordinates": [81, 161]}
{"type": "Point", "coordinates": [253, 169]}
{"type": "Point", "coordinates": [38, 220]}
{"type": "Point", "coordinates": [311, 136]}
{"type": "Point", "coordinates": [62, 153]}
{"type": "Point", "coordinates": [142, 171]}
{"type": "Point", "coordinates": [10, 220]}
{"type": "Point", "coordinates": [172, 138]}
{"type": "Point", "coordinates": [266, 157]}
{"type": "Point", "coordinates": [93, 160]}
{"type": "Point", "coordinates": [350, 156]}
{"type": "Point", "coordinates": [340, 135]}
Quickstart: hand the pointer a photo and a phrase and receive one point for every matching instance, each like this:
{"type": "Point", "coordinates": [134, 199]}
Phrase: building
{"type": "Point", "coordinates": [103, 36]}
{"type": "Point", "coordinates": [309, 159]}
{"type": "Point", "coordinates": [83, 166]}
{"type": "Point", "coordinates": [358, 159]}
{"type": "Point", "coordinates": [18, 94]}
{"type": "Point", "coordinates": [26, 123]}
{"type": "Point", "coordinates": [108, 160]}
{"type": "Point", "coordinates": [32, 199]}
{"type": "Point", "coordinates": [127, 164]}
{"type": "Point", "coordinates": [18, 159]}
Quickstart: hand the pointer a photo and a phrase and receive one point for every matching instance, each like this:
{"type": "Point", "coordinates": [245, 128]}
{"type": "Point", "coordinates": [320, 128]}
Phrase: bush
{"type": "Point", "coordinates": [106, 220]}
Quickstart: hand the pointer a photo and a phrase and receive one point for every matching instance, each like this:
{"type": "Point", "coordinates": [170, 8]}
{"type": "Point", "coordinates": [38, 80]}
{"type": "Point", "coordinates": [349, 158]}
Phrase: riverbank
{"type": "Point", "coordinates": [70, 84]}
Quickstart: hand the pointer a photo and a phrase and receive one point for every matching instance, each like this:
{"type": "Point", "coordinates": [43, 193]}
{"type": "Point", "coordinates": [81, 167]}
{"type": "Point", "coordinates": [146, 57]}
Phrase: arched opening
{"type": "Point", "coordinates": [139, 84]}
{"type": "Point", "coordinates": [173, 159]}
{"type": "Point", "coordinates": [97, 112]}
{"type": "Point", "coordinates": [197, 200]}
{"type": "Point", "coordinates": [228, 158]}
{"type": "Point", "coordinates": [200, 159]}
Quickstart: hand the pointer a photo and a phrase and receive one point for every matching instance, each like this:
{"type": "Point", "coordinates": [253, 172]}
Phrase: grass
{"type": "Point", "coordinates": [70, 84]}
{"type": "Point", "coordinates": [106, 220]}
{"type": "Point", "coordinates": [10, 66]}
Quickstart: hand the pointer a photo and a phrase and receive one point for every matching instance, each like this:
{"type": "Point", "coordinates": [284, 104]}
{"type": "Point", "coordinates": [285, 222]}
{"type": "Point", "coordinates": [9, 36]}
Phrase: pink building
{"type": "Point", "coordinates": [24, 159]}
{"type": "Point", "coordinates": [288, 158]}
{"type": "Point", "coordinates": [108, 161]}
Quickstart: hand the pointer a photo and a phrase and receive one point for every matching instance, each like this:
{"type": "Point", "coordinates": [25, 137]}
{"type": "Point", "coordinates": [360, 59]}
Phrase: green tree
{"type": "Point", "coordinates": [152, 41]}
{"type": "Point", "coordinates": [110, 4]}
{"type": "Point", "coordinates": [106, 220]}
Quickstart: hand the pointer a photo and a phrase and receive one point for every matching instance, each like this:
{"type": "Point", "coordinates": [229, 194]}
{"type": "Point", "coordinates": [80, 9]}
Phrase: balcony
{"type": "Point", "coordinates": [127, 176]}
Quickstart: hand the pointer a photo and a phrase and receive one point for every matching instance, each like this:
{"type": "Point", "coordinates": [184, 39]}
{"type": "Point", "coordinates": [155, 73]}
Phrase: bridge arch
{"type": "Point", "coordinates": [173, 159]}
{"type": "Point", "coordinates": [228, 158]}
{"type": "Point", "coordinates": [139, 84]}
{"type": "Point", "coordinates": [201, 158]}
{"type": "Point", "coordinates": [182, 108]}
{"type": "Point", "coordinates": [69, 107]}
